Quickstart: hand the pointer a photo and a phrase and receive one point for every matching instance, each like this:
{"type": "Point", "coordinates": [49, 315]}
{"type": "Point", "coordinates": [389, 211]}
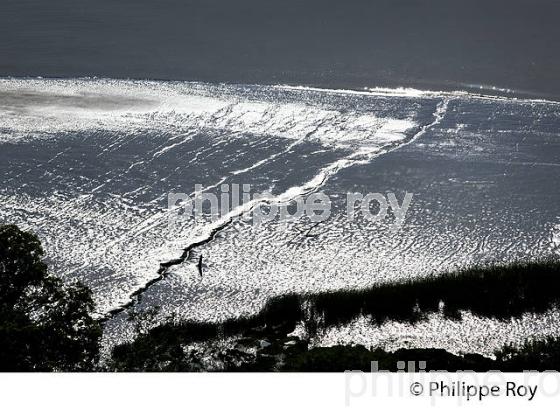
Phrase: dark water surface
{"type": "Point", "coordinates": [437, 44]}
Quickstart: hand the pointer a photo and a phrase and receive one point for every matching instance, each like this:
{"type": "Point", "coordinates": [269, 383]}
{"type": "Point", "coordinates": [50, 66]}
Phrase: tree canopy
{"type": "Point", "coordinates": [45, 324]}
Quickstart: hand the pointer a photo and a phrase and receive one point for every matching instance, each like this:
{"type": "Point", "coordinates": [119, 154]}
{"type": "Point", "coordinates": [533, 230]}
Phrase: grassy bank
{"type": "Point", "coordinates": [493, 291]}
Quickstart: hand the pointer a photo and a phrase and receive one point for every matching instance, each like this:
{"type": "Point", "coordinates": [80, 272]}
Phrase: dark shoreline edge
{"type": "Point", "coordinates": [262, 342]}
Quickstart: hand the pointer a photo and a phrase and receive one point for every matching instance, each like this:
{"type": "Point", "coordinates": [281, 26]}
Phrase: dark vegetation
{"type": "Point", "coordinates": [341, 358]}
{"type": "Point", "coordinates": [47, 325]}
{"type": "Point", "coordinates": [492, 291]}
{"type": "Point", "coordinates": [499, 292]}
{"type": "Point", "coordinates": [538, 355]}
{"type": "Point", "coordinates": [170, 352]}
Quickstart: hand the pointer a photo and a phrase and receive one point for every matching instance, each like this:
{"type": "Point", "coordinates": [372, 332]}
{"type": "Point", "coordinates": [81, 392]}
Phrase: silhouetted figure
{"type": "Point", "coordinates": [200, 265]}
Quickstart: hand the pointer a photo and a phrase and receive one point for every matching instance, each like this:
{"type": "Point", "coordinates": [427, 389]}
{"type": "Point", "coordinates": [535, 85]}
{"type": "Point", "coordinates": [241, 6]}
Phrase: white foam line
{"type": "Point", "coordinates": [276, 155]}
{"type": "Point", "coordinates": [417, 93]}
{"type": "Point", "coordinates": [170, 147]}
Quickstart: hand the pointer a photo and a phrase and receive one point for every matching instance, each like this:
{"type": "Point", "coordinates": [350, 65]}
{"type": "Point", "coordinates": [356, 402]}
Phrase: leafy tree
{"type": "Point", "coordinates": [45, 324]}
